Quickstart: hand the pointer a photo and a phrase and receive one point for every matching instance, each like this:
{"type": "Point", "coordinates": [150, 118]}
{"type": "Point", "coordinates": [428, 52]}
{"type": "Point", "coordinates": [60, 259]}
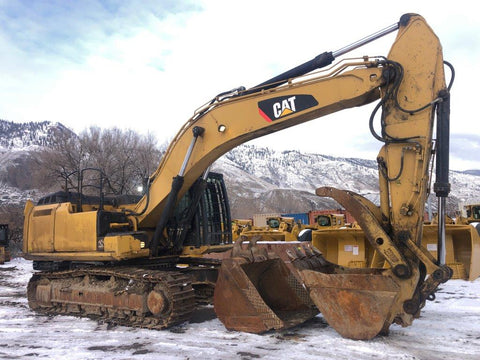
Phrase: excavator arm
{"type": "Point", "coordinates": [409, 81]}
{"type": "Point", "coordinates": [359, 304]}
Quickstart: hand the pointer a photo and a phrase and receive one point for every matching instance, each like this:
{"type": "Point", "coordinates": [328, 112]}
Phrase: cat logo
{"type": "Point", "coordinates": [285, 107]}
{"type": "Point", "coordinates": [279, 107]}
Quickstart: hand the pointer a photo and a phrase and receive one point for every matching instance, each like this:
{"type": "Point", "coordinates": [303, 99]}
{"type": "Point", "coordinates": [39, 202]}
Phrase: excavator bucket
{"type": "Point", "coordinates": [357, 306]}
{"type": "Point", "coordinates": [358, 303]}
{"type": "Point", "coordinates": [256, 291]}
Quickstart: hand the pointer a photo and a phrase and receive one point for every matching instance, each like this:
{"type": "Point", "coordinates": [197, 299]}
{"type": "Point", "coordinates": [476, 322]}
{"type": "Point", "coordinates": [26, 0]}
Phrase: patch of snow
{"type": "Point", "coordinates": [448, 328]}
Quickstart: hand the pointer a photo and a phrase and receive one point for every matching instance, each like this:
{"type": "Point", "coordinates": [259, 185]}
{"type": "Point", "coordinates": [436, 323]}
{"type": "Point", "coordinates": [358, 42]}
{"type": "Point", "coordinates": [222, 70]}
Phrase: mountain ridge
{"type": "Point", "coordinates": [21, 136]}
{"type": "Point", "coordinates": [258, 179]}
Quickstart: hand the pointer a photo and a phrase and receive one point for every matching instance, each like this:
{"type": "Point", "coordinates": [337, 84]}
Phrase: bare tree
{"type": "Point", "coordinates": [56, 164]}
{"type": "Point", "coordinates": [124, 157]}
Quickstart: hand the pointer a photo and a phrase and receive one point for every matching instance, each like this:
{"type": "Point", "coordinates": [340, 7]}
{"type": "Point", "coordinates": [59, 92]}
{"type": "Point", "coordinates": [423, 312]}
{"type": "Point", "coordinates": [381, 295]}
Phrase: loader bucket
{"type": "Point", "coordinates": [350, 247]}
{"type": "Point", "coordinates": [462, 245]}
{"type": "Point", "coordinates": [257, 293]}
{"type": "Point", "coordinates": [344, 246]}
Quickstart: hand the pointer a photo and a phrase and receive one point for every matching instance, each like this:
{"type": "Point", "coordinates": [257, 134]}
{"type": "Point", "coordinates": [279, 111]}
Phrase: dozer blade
{"type": "Point", "coordinates": [256, 292]}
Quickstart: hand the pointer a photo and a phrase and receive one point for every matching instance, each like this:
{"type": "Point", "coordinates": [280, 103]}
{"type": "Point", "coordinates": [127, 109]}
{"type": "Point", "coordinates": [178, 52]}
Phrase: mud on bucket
{"type": "Point", "coordinates": [256, 292]}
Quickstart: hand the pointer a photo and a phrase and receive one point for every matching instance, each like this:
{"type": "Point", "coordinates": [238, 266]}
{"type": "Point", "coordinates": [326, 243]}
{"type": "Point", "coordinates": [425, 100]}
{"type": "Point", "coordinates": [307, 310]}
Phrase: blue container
{"type": "Point", "coordinates": [302, 217]}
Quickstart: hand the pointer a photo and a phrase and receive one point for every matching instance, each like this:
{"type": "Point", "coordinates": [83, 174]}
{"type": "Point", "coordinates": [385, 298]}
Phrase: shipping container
{"type": "Point", "coordinates": [302, 217]}
{"type": "Point", "coordinates": [349, 219]}
{"type": "Point", "coordinates": [261, 219]}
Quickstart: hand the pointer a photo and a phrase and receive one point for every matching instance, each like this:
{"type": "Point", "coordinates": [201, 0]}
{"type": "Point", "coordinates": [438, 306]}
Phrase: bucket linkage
{"type": "Point", "coordinates": [259, 290]}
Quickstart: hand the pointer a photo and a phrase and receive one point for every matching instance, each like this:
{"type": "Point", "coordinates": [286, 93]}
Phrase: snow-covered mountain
{"type": "Point", "coordinates": [296, 170]}
{"type": "Point", "coordinates": [17, 141]}
{"type": "Point", "coordinates": [259, 180]}
{"type": "Point", "coordinates": [30, 135]}
{"type": "Point", "coordinates": [264, 180]}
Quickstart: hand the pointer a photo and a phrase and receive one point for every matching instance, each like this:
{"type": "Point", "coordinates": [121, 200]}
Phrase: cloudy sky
{"type": "Point", "coordinates": [147, 65]}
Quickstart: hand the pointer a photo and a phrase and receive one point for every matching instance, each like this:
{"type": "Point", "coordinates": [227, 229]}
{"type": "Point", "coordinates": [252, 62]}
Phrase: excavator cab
{"type": "Point", "coordinates": [202, 216]}
{"type": "Point", "coordinates": [473, 212]}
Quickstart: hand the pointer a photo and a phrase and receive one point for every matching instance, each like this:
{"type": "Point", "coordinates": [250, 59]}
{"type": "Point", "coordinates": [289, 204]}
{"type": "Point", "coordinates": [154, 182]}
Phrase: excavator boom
{"type": "Point", "coordinates": [236, 120]}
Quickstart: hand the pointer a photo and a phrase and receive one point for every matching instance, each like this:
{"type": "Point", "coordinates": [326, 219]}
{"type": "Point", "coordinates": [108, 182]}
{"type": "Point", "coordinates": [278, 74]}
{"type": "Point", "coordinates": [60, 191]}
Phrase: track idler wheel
{"type": "Point", "coordinates": [156, 302]}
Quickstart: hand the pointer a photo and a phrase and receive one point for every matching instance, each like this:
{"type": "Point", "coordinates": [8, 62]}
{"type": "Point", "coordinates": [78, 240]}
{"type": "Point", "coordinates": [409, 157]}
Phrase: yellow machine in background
{"type": "Point", "coordinates": [281, 228]}
{"type": "Point", "coordinates": [345, 247]}
{"type": "Point", "coordinates": [142, 263]}
{"type": "Point", "coordinates": [277, 228]}
{"type": "Point", "coordinates": [4, 251]}
{"type": "Point", "coordinates": [239, 226]}
{"type": "Point", "coordinates": [462, 248]}
{"type": "Point", "coordinates": [349, 247]}
{"type": "Point", "coordinates": [469, 214]}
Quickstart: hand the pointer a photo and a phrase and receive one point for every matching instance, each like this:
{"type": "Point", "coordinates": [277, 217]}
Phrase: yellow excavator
{"type": "Point", "coordinates": [148, 262]}
{"type": "Point", "coordinates": [277, 228]}
{"type": "Point", "coordinates": [469, 214]}
{"type": "Point", "coordinates": [239, 226]}
{"type": "Point", "coordinates": [4, 251]}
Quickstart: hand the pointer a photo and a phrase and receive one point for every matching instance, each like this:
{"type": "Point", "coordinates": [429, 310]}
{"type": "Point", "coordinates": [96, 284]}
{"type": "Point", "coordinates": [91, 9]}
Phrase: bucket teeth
{"type": "Point", "coordinates": [308, 251]}
{"type": "Point", "coordinates": [252, 252]}
{"type": "Point", "coordinates": [307, 257]}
